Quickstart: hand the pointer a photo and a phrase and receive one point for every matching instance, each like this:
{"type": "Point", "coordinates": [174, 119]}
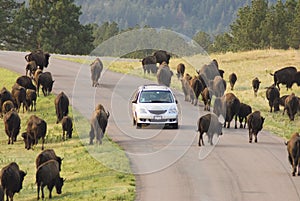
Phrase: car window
{"type": "Point", "coordinates": [156, 97]}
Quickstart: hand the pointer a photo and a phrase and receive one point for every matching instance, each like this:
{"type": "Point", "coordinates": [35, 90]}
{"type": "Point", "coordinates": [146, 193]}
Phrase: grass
{"type": "Point", "coordinates": [247, 65]}
{"type": "Point", "coordinates": [86, 177]}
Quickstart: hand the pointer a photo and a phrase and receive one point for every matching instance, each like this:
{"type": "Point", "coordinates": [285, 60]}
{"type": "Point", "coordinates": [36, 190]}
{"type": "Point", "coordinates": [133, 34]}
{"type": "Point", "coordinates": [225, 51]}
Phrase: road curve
{"type": "Point", "coordinates": [167, 163]}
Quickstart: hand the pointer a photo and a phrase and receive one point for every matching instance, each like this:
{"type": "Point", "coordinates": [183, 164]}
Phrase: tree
{"type": "Point", "coordinates": [54, 25]}
{"type": "Point", "coordinates": [294, 39]}
{"type": "Point", "coordinates": [203, 39]}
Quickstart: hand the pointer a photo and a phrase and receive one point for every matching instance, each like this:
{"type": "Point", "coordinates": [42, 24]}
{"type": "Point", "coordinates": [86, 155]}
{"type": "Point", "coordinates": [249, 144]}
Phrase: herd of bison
{"type": "Point", "coordinates": [208, 82]}
{"type": "Point", "coordinates": [23, 97]}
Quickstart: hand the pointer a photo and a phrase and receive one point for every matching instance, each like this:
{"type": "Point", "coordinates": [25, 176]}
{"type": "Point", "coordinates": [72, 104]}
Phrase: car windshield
{"type": "Point", "coordinates": [156, 97]}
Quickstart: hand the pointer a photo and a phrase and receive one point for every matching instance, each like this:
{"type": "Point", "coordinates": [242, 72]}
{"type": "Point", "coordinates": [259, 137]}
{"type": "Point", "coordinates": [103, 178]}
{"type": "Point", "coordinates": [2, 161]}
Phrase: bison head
{"type": "Point", "coordinates": [59, 184]}
{"type": "Point", "coordinates": [28, 140]}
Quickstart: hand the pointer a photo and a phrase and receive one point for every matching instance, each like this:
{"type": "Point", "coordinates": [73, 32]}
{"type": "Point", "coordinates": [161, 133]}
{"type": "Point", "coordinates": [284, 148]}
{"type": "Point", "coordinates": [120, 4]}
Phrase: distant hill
{"type": "Point", "coordinates": [183, 16]}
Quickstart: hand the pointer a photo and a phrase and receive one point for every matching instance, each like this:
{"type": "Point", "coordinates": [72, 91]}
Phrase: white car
{"type": "Point", "coordinates": [154, 104]}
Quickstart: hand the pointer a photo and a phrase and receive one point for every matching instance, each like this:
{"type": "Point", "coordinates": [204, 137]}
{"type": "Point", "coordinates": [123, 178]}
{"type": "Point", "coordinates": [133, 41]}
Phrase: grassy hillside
{"type": "Point", "coordinates": [247, 65]}
{"type": "Point", "coordinates": [86, 178]}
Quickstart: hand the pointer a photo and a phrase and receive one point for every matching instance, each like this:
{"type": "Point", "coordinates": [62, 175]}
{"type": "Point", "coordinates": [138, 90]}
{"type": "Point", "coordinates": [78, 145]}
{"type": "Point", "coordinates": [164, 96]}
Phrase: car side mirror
{"type": "Point", "coordinates": [176, 101]}
{"type": "Point", "coordinates": [134, 101]}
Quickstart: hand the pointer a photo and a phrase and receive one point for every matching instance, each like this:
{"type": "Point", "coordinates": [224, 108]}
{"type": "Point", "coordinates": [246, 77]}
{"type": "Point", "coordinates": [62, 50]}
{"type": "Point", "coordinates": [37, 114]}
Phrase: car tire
{"type": "Point", "coordinates": [133, 121]}
{"type": "Point", "coordinates": [138, 125]}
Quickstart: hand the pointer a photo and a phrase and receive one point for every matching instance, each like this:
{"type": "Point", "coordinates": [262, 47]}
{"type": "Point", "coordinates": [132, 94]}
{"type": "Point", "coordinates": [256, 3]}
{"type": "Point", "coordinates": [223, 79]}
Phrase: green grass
{"type": "Point", "coordinates": [247, 65]}
{"type": "Point", "coordinates": [86, 177]}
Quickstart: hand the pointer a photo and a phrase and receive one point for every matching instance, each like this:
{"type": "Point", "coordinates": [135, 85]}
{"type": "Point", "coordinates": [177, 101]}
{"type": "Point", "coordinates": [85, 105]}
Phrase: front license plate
{"type": "Point", "coordinates": [157, 117]}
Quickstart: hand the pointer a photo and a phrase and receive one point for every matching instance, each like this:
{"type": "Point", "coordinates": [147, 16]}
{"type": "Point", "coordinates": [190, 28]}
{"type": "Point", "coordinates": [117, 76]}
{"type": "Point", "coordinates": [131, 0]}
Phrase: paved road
{"type": "Point", "coordinates": [168, 163]}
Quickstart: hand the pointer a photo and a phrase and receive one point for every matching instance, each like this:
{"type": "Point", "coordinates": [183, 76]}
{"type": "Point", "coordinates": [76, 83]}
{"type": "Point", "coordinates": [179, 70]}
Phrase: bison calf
{"type": "Point", "coordinates": [255, 85]}
{"type": "Point", "coordinates": [12, 123]}
{"type": "Point", "coordinates": [210, 125]}
{"type": "Point", "coordinates": [255, 124]}
{"type": "Point", "coordinates": [67, 126]}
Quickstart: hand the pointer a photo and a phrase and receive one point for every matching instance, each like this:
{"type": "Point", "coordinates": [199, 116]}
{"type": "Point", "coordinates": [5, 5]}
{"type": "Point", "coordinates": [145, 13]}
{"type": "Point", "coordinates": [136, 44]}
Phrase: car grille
{"type": "Point", "coordinates": [157, 111]}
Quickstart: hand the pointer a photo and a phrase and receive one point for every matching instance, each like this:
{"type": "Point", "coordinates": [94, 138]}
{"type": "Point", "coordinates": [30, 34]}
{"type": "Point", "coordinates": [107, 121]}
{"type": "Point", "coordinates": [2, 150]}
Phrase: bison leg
{"type": "Point", "coordinates": [255, 136]}
{"type": "Point", "coordinates": [92, 135]}
{"type": "Point", "coordinates": [200, 139]}
{"type": "Point", "coordinates": [250, 137]}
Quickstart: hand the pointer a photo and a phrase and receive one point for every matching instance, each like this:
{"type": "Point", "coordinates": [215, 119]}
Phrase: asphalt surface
{"type": "Point", "coordinates": [168, 163]}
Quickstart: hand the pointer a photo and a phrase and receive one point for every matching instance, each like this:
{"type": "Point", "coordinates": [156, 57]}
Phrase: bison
{"type": "Point", "coordinates": [7, 106]}
{"type": "Point", "coordinates": [255, 124]}
{"type": "Point", "coordinates": [197, 87]}
{"type": "Point", "coordinates": [210, 125]}
{"type": "Point", "coordinates": [46, 155]}
{"type": "Point", "coordinates": [48, 175]}
{"type": "Point", "coordinates": [149, 64]}
{"type": "Point", "coordinates": [206, 97]}
{"type": "Point", "coordinates": [209, 71]}
{"type": "Point", "coordinates": [12, 123]}
{"type": "Point", "coordinates": [31, 67]}
{"type": "Point", "coordinates": [164, 74]}
{"type": "Point", "coordinates": [244, 111]}
{"type": "Point", "coordinates": [41, 58]}
{"type": "Point", "coordinates": [232, 80]}
{"type": "Point", "coordinates": [12, 179]}
{"type": "Point", "coordinates": [67, 126]}
{"type": "Point", "coordinates": [162, 56]}
{"type": "Point", "coordinates": [25, 82]}
{"type": "Point", "coordinates": [255, 85]}
{"type": "Point", "coordinates": [99, 122]}
{"type": "Point", "coordinates": [46, 81]}
{"type": "Point", "coordinates": [273, 96]}
{"type": "Point", "coordinates": [285, 76]}
{"type": "Point", "coordinates": [186, 88]}
{"type": "Point", "coordinates": [228, 106]}
{"type": "Point", "coordinates": [293, 148]}
{"type": "Point", "coordinates": [218, 86]}
{"type": "Point", "coordinates": [31, 97]}
{"type": "Point", "coordinates": [4, 96]}
{"type": "Point", "coordinates": [180, 70]}
{"type": "Point", "coordinates": [96, 70]}
{"type": "Point", "coordinates": [36, 129]}
{"type": "Point", "coordinates": [19, 95]}
{"type": "Point", "coordinates": [61, 106]}
{"type": "Point", "coordinates": [291, 106]}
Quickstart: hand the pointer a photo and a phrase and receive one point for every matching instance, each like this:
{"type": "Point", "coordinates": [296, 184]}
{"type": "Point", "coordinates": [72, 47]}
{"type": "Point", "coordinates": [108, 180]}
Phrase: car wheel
{"type": "Point", "coordinates": [138, 125]}
{"type": "Point", "coordinates": [133, 121]}
{"type": "Point", "coordinates": [175, 126]}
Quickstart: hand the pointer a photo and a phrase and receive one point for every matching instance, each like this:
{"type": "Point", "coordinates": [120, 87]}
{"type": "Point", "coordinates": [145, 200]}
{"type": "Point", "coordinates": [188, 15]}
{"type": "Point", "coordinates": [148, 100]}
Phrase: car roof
{"type": "Point", "coordinates": [151, 87]}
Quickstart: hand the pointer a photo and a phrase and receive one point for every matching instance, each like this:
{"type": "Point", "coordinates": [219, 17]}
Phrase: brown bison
{"type": "Point", "coordinates": [12, 180]}
{"type": "Point", "coordinates": [41, 58]}
{"type": "Point", "coordinates": [19, 95]}
{"type": "Point", "coordinates": [162, 56]}
{"type": "Point", "coordinates": [31, 67]}
{"type": "Point", "coordinates": [61, 106]}
{"type": "Point", "coordinates": [291, 105]}
{"type": "Point", "coordinates": [46, 155]}
{"type": "Point", "coordinates": [25, 82]}
{"type": "Point", "coordinates": [36, 129]}
{"type": "Point", "coordinates": [255, 124]}
{"type": "Point", "coordinates": [12, 123]}
{"type": "Point", "coordinates": [7, 106]}
{"type": "Point", "coordinates": [197, 87]}
{"type": "Point", "coordinates": [209, 71]}
{"type": "Point", "coordinates": [46, 81]}
{"type": "Point", "coordinates": [285, 76]}
{"type": "Point", "coordinates": [255, 85]}
{"type": "Point", "coordinates": [228, 106]}
{"type": "Point", "coordinates": [293, 148]}
{"type": "Point", "coordinates": [4, 96]}
{"type": "Point", "coordinates": [273, 96]}
{"type": "Point", "coordinates": [31, 97]}
{"type": "Point", "coordinates": [218, 86]}
{"type": "Point", "coordinates": [232, 80]}
{"type": "Point", "coordinates": [206, 97]}
{"type": "Point", "coordinates": [180, 70]}
{"type": "Point", "coordinates": [149, 64]}
{"type": "Point", "coordinates": [164, 74]}
{"type": "Point", "coordinates": [96, 70]}
{"type": "Point", "coordinates": [187, 89]}
{"type": "Point", "coordinates": [99, 122]}
{"type": "Point", "coordinates": [210, 125]}
{"type": "Point", "coordinates": [48, 175]}
{"type": "Point", "coordinates": [244, 111]}
{"type": "Point", "coordinates": [67, 127]}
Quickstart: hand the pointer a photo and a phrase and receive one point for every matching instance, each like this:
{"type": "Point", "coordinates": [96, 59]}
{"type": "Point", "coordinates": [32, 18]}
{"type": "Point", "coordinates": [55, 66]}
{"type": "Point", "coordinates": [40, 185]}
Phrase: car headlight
{"type": "Point", "coordinates": [142, 110]}
{"type": "Point", "coordinates": [173, 110]}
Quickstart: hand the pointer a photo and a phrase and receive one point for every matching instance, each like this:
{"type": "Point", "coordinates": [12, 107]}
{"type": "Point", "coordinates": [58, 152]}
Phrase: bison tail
{"type": "Point", "coordinates": [26, 58]}
{"type": "Point", "coordinates": [272, 74]}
